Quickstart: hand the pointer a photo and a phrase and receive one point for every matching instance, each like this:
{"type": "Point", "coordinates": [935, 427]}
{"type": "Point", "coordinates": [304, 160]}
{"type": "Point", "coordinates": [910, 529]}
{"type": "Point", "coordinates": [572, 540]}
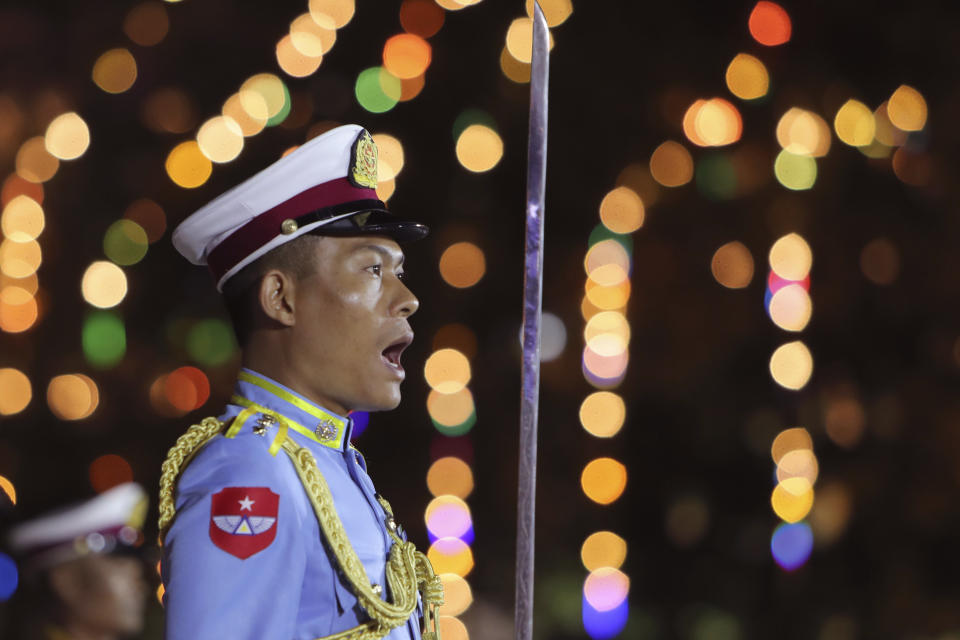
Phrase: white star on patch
{"type": "Point", "coordinates": [246, 503]}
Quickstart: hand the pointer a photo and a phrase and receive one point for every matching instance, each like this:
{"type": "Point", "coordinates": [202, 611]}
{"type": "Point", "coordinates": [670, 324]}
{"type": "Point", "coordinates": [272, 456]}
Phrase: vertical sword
{"type": "Point", "coordinates": [532, 290]}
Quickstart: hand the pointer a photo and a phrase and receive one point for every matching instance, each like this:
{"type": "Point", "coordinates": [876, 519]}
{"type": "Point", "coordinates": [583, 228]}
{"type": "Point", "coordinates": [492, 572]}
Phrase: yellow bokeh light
{"type": "Point", "coordinates": [602, 414]}
{"type": "Point", "coordinates": [608, 298]}
{"type": "Point", "coordinates": [603, 549]}
{"type": "Point", "coordinates": [8, 488]}
{"type": "Point", "coordinates": [72, 396]}
{"type": "Point", "coordinates": [607, 323]}
{"type": "Point", "coordinates": [792, 499]}
{"type": "Point", "coordinates": [332, 14]}
{"type": "Point", "coordinates": [104, 284]}
{"type": "Point", "coordinates": [447, 371]}
{"type": "Point", "coordinates": [29, 284]}
{"type": "Point", "coordinates": [604, 253]}
{"type": "Point", "coordinates": [554, 11]}
{"type": "Point", "coordinates": [15, 391]}
{"type": "Point", "coordinates": [621, 210]}
{"type": "Point", "coordinates": [887, 133]}
{"type": "Point", "coordinates": [792, 439]}
{"type": "Point", "coordinates": [293, 61]}
{"type": "Point", "coordinates": [450, 409]}
{"type": "Point", "coordinates": [608, 275]}
{"type": "Point", "coordinates": [907, 109]}
{"type": "Point", "coordinates": [18, 310]}
{"type": "Point", "coordinates": [479, 148]}
{"type": "Point", "coordinates": [607, 345]}
{"type": "Point", "coordinates": [390, 156]}
{"type": "Point", "coordinates": [220, 139]}
{"type": "Point", "coordinates": [732, 265]}
{"type": "Point", "coordinates": [791, 365]}
{"type": "Point", "coordinates": [249, 125]}
{"type": "Point", "coordinates": [67, 136]}
{"type": "Point", "coordinates": [115, 71]}
{"type": "Point", "coordinates": [187, 165]}
{"type": "Point", "coordinates": [791, 258]}
{"type": "Point", "coordinates": [717, 123]}
{"type": "Point", "coordinates": [22, 219]}
{"type": "Point", "coordinates": [20, 259]}
{"type": "Point", "coordinates": [457, 596]}
{"type": "Point", "coordinates": [520, 39]}
{"type": "Point", "coordinates": [799, 463]}
{"type": "Point", "coordinates": [854, 124]}
{"type": "Point", "coordinates": [803, 133]}
{"type": "Point", "coordinates": [385, 189]}
{"type": "Point", "coordinates": [263, 95]}
{"type": "Point", "coordinates": [309, 38]}
{"type": "Point", "coordinates": [147, 24]}
{"type": "Point", "coordinates": [451, 555]}
{"type": "Point", "coordinates": [512, 68]}
{"type": "Point", "coordinates": [34, 163]}
{"type": "Point", "coordinates": [450, 476]}
{"type": "Point", "coordinates": [452, 628]}
{"type": "Point", "coordinates": [671, 164]}
{"type": "Point", "coordinates": [747, 77]}
{"type": "Point", "coordinates": [790, 308]}
{"type": "Point", "coordinates": [603, 480]}
{"type": "Point", "coordinates": [462, 265]}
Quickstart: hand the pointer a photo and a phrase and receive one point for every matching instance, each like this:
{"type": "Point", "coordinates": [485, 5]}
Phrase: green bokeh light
{"type": "Point", "coordinates": [104, 339]}
{"type": "Point", "coordinates": [459, 429]}
{"type": "Point", "coordinates": [795, 172]}
{"type": "Point", "coordinates": [716, 178]}
{"type": "Point", "coordinates": [370, 90]}
{"type": "Point", "coordinates": [284, 110]}
{"type": "Point", "coordinates": [601, 233]}
{"type": "Point", "coordinates": [125, 242]}
{"type": "Point", "coordinates": [210, 342]}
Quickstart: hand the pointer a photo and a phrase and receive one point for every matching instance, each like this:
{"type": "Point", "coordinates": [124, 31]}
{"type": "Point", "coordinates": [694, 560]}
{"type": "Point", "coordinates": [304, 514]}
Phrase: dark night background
{"type": "Point", "coordinates": [701, 406]}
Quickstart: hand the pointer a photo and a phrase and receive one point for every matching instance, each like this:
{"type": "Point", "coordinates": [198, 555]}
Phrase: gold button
{"type": "Point", "coordinates": [288, 226]}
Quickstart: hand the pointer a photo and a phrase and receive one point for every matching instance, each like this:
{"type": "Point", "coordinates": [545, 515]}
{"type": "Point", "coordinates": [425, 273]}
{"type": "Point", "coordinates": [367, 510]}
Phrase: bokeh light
{"type": "Point", "coordinates": [390, 156]}
{"type": "Point", "coordinates": [19, 259]}
{"type": "Point", "coordinates": [603, 480]}
{"type": "Point", "coordinates": [457, 595]}
{"type": "Point", "coordinates": [104, 284]}
{"type": "Point", "coordinates": [671, 164]}
{"type": "Point", "coordinates": [72, 396]}
{"type": "Point", "coordinates": [791, 365]}
{"type": "Point", "coordinates": [513, 69]}
{"type": "Point", "coordinates": [333, 14]}
{"type": "Point", "coordinates": [34, 163]}
{"type": "Point", "coordinates": [187, 165]}
{"type": "Point", "coordinates": [150, 216]}
{"type": "Point", "coordinates": [18, 310]}
{"type": "Point", "coordinates": [769, 24]}
{"type": "Point", "coordinates": [831, 513]}
{"type": "Point", "coordinates": [67, 136]}
{"type": "Point", "coordinates": [791, 257]}
{"type": "Point", "coordinates": [115, 70]}
{"type": "Point", "coordinates": [603, 549]}
{"type": "Point", "coordinates": [264, 95]}
{"type": "Point", "coordinates": [220, 139]}
{"type": "Point", "coordinates": [147, 24]}
{"type": "Point", "coordinates": [448, 516]}
{"type": "Point", "coordinates": [553, 337]}
{"type": "Point", "coordinates": [187, 388]}
{"type": "Point", "coordinates": [880, 261]}
{"type": "Point", "coordinates": [421, 17]}
{"type": "Point", "coordinates": [452, 413]}
{"type": "Point", "coordinates": [377, 90]}
{"type": "Point", "coordinates": [9, 577]}
{"type": "Point", "coordinates": [712, 123]}
{"type": "Point", "coordinates": [8, 489]}
{"type": "Point", "coordinates": [799, 463]}
{"type": "Point", "coordinates": [479, 148]}
{"type": "Point", "coordinates": [602, 414]}
{"type": "Point", "coordinates": [15, 391]}
{"type": "Point", "coordinates": [790, 308]}
{"type": "Point", "coordinates": [621, 210]}
{"type": "Point", "coordinates": [451, 555]}
{"type": "Point", "coordinates": [457, 336]}
{"type": "Point", "coordinates": [15, 186]}
{"type": "Point", "coordinates": [803, 133]}
{"type": "Point", "coordinates": [791, 545]}
{"type": "Point", "coordinates": [452, 628]}
{"type": "Point", "coordinates": [462, 265]}
{"type": "Point", "coordinates": [854, 124]}
{"type": "Point", "coordinates": [603, 625]}
{"type": "Point", "coordinates": [125, 242]}
{"type": "Point", "coordinates": [520, 39]}
{"type": "Point", "coordinates": [732, 265]}
{"type": "Point", "coordinates": [795, 172]}
{"type": "Point", "coordinates": [907, 109]}
{"type": "Point", "coordinates": [845, 421]}
{"type": "Point", "coordinates": [310, 39]}
{"type": "Point", "coordinates": [608, 297]}
{"type": "Point", "coordinates": [22, 219]}
{"type": "Point", "coordinates": [108, 471]}
{"type": "Point", "coordinates": [104, 339]}
{"type": "Point", "coordinates": [792, 439]}
{"type": "Point", "coordinates": [792, 499]}
{"type": "Point", "coordinates": [601, 256]}
{"type": "Point", "coordinates": [211, 342]}
{"type": "Point", "coordinates": [447, 371]}
{"type": "Point", "coordinates": [406, 55]}
{"type": "Point", "coordinates": [554, 11]}
{"type": "Point", "coordinates": [169, 110]}
{"type": "Point", "coordinates": [450, 475]}
{"type": "Point", "coordinates": [887, 134]}
{"type": "Point", "coordinates": [747, 77]}
{"type": "Point", "coordinates": [606, 588]}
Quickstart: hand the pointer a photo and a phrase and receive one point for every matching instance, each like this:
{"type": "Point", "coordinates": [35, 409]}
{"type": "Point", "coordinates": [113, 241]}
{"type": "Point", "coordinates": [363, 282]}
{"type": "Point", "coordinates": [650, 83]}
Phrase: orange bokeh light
{"type": "Point", "coordinates": [421, 17]}
{"type": "Point", "coordinates": [406, 55]}
{"type": "Point", "coordinates": [770, 24]}
{"type": "Point", "coordinates": [109, 471]}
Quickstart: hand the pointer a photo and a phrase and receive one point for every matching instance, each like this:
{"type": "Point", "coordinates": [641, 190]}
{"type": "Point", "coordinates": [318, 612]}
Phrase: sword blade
{"type": "Point", "coordinates": [532, 290]}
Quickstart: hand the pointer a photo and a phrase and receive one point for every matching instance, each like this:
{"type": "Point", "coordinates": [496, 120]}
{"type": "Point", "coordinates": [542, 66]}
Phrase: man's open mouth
{"type": "Point", "coordinates": [391, 355]}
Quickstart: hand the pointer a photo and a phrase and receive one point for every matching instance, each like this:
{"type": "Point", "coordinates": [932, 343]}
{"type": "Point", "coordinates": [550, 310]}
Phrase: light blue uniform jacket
{"type": "Point", "coordinates": [289, 587]}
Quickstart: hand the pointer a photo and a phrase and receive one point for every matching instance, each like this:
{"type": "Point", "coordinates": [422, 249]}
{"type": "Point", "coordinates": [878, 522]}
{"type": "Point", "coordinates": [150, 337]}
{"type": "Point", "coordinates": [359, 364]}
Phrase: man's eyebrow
{"type": "Point", "coordinates": [389, 256]}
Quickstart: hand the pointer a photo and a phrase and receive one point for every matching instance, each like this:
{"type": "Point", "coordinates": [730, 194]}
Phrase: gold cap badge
{"type": "Point", "coordinates": [363, 162]}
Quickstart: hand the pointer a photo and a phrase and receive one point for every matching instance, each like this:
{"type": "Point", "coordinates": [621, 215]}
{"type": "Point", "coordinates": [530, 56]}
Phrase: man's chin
{"type": "Point", "coordinates": [385, 402]}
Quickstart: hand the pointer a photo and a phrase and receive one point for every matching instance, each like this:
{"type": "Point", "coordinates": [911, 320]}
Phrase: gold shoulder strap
{"type": "Point", "coordinates": [178, 457]}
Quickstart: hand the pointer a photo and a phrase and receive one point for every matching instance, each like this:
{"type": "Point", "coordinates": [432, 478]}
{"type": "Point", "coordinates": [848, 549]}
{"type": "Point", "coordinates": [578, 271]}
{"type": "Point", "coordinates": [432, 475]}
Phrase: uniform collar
{"type": "Point", "coordinates": [257, 392]}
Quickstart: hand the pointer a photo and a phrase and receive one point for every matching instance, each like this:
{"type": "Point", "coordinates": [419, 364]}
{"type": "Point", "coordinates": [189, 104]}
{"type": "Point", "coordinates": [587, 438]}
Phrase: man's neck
{"type": "Point", "coordinates": [275, 363]}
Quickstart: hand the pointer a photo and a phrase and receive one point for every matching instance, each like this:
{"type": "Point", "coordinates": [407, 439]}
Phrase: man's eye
{"type": "Point", "coordinates": [402, 276]}
{"type": "Point", "coordinates": [377, 270]}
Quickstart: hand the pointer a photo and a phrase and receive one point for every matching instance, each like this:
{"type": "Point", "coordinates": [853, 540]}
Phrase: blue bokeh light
{"type": "Point", "coordinates": [601, 625]}
{"type": "Point", "coordinates": [9, 577]}
{"type": "Point", "coordinates": [791, 545]}
{"type": "Point", "coordinates": [361, 420]}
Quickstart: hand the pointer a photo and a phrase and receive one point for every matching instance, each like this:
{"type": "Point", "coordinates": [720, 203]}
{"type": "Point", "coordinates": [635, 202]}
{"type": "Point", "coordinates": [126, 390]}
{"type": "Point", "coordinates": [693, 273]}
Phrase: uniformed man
{"type": "Point", "coordinates": [81, 573]}
{"type": "Point", "coordinates": [271, 527]}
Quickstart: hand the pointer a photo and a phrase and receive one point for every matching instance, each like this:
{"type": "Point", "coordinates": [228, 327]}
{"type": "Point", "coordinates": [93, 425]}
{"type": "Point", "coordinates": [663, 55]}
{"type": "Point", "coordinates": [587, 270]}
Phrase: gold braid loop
{"type": "Point", "coordinates": [179, 455]}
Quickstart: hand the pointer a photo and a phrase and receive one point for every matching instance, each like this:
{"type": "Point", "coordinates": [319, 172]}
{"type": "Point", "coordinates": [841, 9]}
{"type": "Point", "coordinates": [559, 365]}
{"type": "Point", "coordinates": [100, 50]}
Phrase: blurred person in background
{"type": "Point", "coordinates": [81, 573]}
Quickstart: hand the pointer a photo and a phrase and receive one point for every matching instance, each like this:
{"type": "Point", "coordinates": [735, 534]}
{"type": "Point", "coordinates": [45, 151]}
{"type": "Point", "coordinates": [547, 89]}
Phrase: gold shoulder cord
{"type": "Point", "coordinates": [408, 570]}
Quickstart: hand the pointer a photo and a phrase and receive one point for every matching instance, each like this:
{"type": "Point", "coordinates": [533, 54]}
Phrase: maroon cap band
{"type": "Point", "coordinates": [266, 226]}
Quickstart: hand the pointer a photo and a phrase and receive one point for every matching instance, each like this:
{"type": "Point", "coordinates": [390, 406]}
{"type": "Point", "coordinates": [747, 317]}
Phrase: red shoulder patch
{"type": "Point", "coordinates": [243, 520]}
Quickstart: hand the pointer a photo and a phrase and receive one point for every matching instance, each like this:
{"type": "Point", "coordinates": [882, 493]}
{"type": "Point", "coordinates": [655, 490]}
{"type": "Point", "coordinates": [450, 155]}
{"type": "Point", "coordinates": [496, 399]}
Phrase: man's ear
{"type": "Point", "coordinates": [277, 296]}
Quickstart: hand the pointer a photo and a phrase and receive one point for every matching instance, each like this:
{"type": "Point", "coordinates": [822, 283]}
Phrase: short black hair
{"type": "Point", "coordinates": [240, 291]}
